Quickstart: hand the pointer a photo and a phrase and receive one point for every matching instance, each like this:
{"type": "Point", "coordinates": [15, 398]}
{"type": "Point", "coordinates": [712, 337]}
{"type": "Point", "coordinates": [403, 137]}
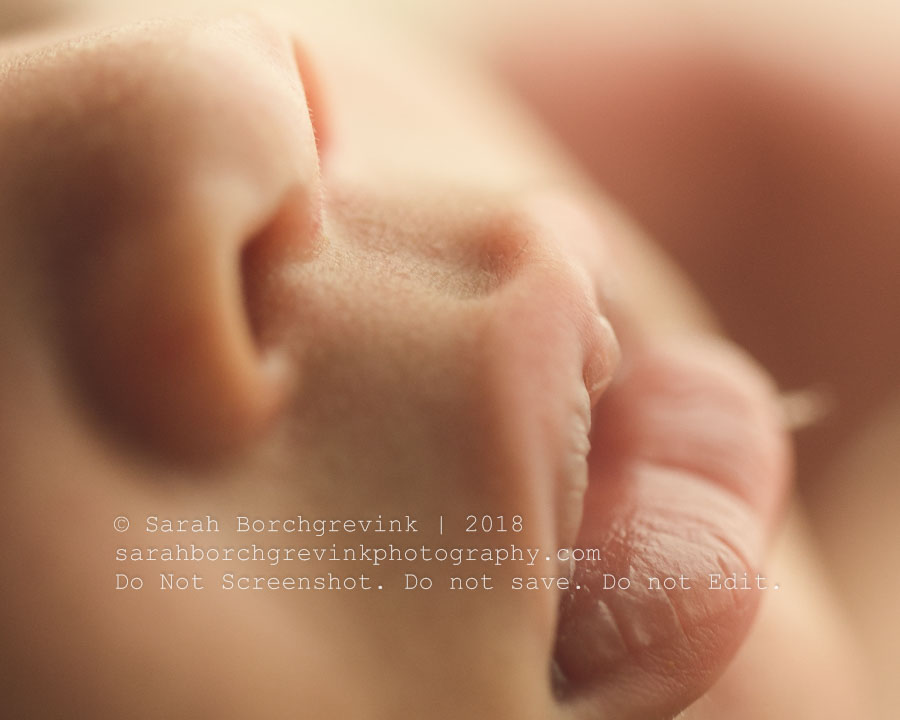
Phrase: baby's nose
{"type": "Point", "coordinates": [146, 168]}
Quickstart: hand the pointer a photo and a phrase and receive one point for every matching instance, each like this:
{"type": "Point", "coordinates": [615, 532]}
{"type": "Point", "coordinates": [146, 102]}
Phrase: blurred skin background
{"type": "Point", "coordinates": [760, 145]}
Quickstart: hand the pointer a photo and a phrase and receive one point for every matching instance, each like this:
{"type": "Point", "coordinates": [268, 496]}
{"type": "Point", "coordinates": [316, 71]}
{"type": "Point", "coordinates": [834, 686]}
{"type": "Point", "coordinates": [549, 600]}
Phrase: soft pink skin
{"type": "Point", "coordinates": [430, 295]}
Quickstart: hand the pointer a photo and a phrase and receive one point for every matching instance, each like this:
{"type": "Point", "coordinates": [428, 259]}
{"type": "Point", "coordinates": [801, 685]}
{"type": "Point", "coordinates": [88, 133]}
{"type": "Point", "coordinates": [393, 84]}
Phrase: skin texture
{"type": "Point", "coordinates": [206, 291]}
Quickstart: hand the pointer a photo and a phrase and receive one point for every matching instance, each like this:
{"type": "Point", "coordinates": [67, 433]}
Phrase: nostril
{"type": "Point", "coordinates": [290, 236]}
{"type": "Point", "coordinates": [169, 226]}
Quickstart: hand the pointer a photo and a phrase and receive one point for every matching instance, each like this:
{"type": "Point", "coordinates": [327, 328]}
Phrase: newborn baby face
{"type": "Point", "coordinates": [246, 274]}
